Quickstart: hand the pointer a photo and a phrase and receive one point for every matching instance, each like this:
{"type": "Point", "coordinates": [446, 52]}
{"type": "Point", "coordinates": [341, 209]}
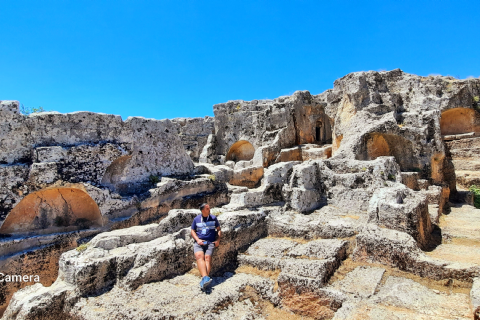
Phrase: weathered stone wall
{"type": "Point", "coordinates": [460, 120]}
{"type": "Point", "coordinates": [155, 145]}
{"type": "Point", "coordinates": [257, 122]}
{"type": "Point", "coordinates": [40, 254]}
{"type": "Point", "coordinates": [365, 115]}
{"type": "Point", "coordinates": [402, 109]}
{"type": "Point", "coordinates": [271, 125]}
{"type": "Point", "coordinates": [40, 150]}
{"type": "Point", "coordinates": [194, 133]}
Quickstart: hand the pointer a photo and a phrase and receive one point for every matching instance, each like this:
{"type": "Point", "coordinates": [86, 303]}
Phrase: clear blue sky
{"type": "Point", "coordinates": [166, 59]}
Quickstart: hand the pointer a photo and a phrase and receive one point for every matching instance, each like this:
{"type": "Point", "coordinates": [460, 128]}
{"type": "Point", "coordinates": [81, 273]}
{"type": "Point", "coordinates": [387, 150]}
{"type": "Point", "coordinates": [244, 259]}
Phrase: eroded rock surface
{"type": "Point", "coordinates": [370, 167]}
{"type": "Point", "coordinates": [401, 298]}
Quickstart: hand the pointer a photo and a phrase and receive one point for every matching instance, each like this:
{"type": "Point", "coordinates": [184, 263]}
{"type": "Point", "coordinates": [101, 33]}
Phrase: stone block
{"type": "Point", "coordinates": [50, 154]}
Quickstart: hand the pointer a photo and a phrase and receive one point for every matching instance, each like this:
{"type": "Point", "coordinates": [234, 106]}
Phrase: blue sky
{"type": "Point", "coordinates": [167, 59]}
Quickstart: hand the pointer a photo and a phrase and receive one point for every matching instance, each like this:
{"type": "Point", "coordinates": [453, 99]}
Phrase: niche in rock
{"type": "Point", "coordinates": [241, 150]}
{"type": "Point", "coordinates": [115, 172]}
{"type": "Point", "coordinates": [458, 120]}
{"type": "Point", "coordinates": [379, 144]}
{"type": "Point", "coordinates": [53, 210]}
{"type": "Point", "coordinates": [323, 130]}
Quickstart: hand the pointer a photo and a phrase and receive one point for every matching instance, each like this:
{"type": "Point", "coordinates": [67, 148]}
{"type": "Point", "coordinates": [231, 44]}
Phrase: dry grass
{"type": "Point", "coordinates": [308, 304]}
{"type": "Point", "coordinates": [271, 274]}
{"type": "Point", "coordinates": [273, 313]}
{"type": "Point", "coordinates": [465, 242]}
{"type": "Point", "coordinates": [352, 242]}
{"type": "Point", "coordinates": [448, 286]}
{"type": "Point", "coordinates": [195, 272]}
{"type": "Point", "coordinates": [352, 216]}
{"type": "Point", "coordinates": [217, 212]}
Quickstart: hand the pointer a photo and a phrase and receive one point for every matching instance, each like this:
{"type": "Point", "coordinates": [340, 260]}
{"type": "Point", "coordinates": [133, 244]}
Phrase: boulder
{"type": "Point", "coordinates": [362, 282]}
{"type": "Point", "coordinates": [402, 209]}
{"type": "Point", "coordinates": [247, 177]}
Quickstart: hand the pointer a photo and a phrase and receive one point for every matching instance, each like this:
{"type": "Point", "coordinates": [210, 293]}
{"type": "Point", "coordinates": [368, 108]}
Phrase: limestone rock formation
{"type": "Point", "coordinates": [348, 204]}
{"type": "Point", "coordinates": [194, 133]}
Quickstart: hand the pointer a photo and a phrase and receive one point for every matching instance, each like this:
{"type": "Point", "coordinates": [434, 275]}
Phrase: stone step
{"type": "Point", "coordinates": [402, 298]}
{"type": "Point", "coordinates": [362, 282]}
{"type": "Point", "coordinates": [460, 136]}
{"type": "Point", "coordinates": [466, 165]}
{"type": "Point", "coordinates": [463, 143]}
{"type": "Point", "coordinates": [465, 153]}
{"type": "Point", "coordinates": [280, 248]}
{"type": "Point", "coordinates": [302, 265]}
{"type": "Point", "coordinates": [181, 298]}
{"type": "Point", "coordinates": [465, 254]}
{"type": "Point", "coordinates": [461, 225]}
{"type": "Point", "coordinates": [467, 178]}
{"type": "Point", "coordinates": [327, 223]}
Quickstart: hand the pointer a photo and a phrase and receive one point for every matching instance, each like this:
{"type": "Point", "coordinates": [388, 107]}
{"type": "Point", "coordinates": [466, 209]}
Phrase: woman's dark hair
{"type": "Point", "coordinates": [202, 206]}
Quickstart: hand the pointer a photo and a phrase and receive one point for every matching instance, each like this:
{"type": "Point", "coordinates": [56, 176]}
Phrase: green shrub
{"type": "Point", "coordinates": [391, 177]}
{"type": "Point", "coordinates": [476, 195]}
{"type": "Point", "coordinates": [476, 103]}
{"type": "Point", "coordinates": [154, 179]}
{"type": "Point", "coordinates": [29, 110]}
{"type": "Point", "coordinates": [82, 247]}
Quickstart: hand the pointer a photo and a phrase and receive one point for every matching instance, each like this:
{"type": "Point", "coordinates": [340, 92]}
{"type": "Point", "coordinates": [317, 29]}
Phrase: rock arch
{"type": "Point", "coordinates": [381, 144]}
{"type": "Point", "coordinates": [53, 209]}
{"type": "Point", "coordinates": [241, 150]}
{"type": "Point", "coordinates": [458, 120]}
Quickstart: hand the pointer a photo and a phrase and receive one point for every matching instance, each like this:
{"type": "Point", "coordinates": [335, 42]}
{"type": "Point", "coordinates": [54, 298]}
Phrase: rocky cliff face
{"type": "Point", "coordinates": [145, 139]}
{"type": "Point", "coordinates": [363, 166]}
{"type": "Point", "coordinates": [83, 147]}
{"type": "Point", "coordinates": [365, 115]}
{"type": "Point", "coordinates": [194, 134]}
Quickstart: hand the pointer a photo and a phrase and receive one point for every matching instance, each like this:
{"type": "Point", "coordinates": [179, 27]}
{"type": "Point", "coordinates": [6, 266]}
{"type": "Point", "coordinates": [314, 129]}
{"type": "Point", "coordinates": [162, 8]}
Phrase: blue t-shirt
{"type": "Point", "coordinates": [205, 227]}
